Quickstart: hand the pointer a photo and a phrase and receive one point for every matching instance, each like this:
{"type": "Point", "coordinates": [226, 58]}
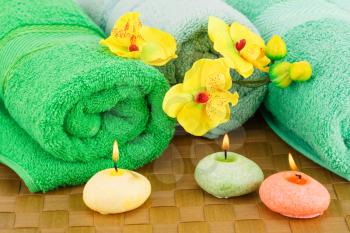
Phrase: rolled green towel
{"type": "Point", "coordinates": [38, 169]}
{"type": "Point", "coordinates": [187, 21]}
{"type": "Point", "coordinates": [72, 97]}
{"type": "Point", "coordinates": [314, 116]}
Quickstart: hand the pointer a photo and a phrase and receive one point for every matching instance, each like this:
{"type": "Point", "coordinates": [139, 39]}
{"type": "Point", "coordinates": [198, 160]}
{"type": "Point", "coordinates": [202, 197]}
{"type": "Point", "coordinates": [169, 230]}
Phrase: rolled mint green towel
{"type": "Point", "coordinates": [187, 21]}
{"type": "Point", "coordinates": [343, 4]}
{"type": "Point", "coordinates": [314, 116]}
{"type": "Point", "coordinates": [71, 97]}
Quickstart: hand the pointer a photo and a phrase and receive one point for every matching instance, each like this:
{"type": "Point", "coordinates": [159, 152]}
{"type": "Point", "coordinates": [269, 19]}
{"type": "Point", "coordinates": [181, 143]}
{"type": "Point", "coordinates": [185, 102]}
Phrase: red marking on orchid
{"type": "Point", "coordinates": [202, 97]}
{"type": "Point", "coordinates": [133, 48]}
{"type": "Point", "coordinates": [127, 26]}
{"type": "Point", "coordinates": [240, 45]}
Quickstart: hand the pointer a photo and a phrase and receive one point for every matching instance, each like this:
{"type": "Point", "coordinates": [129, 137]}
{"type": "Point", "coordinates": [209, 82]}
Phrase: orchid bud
{"type": "Point", "coordinates": [300, 71]}
{"type": "Point", "coordinates": [279, 74]}
{"type": "Point", "coordinates": [276, 48]}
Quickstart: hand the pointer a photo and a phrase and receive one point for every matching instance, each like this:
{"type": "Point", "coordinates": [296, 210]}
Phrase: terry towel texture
{"type": "Point", "coordinates": [343, 4]}
{"type": "Point", "coordinates": [69, 98]}
{"type": "Point", "coordinates": [187, 21]}
{"type": "Point", "coordinates": [313, 117]}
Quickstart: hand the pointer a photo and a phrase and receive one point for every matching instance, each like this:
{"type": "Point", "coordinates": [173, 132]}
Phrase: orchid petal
{"type": "Point", "coordinates": [159, 47]}
{"type": "Point", "coordinates": [192, 117]}
{"type": "Point", "coordinates": [175, 99]}
{"type": "Point", "coordinates": [238, 32]}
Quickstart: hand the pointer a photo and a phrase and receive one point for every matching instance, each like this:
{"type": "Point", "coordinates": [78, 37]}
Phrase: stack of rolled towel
{"type": "Point", "coordinates": [64, 98]}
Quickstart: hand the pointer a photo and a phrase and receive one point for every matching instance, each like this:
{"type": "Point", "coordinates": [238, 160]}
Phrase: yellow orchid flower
{"type": "Point", "coordinates": [130, 39]}
{"type": "Point", "coordinates": [242, 49]}
{"type": "Point", "coordinates": [202, 101]}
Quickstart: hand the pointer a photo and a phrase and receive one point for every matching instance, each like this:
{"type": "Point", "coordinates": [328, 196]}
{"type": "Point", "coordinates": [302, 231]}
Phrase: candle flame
{"type": "Point", "coordinates": [115, 154]}
{"type": "Point", "coordinates": [226, 142]}
{"type": "Point", "coordinates": [292, 163]}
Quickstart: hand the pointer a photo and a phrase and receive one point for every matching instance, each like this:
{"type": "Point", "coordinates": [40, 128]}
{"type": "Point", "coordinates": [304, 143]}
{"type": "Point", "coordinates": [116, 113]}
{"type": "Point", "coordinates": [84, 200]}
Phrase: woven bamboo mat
{"type": "Point", "coordinates": [177, 204]}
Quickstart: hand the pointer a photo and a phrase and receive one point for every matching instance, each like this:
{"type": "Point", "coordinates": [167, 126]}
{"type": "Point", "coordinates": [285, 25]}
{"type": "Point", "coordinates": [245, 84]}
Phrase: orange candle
{"type": "Point", "coordinates": [294, 194]}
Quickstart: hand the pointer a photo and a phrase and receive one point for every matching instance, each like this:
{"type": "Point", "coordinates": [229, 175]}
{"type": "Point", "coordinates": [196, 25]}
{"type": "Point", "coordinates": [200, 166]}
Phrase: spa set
{"type": "Point", "coordinates": [175, 116]}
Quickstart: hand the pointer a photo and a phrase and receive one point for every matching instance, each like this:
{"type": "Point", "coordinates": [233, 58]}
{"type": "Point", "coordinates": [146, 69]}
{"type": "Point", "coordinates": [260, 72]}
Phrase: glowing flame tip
{"type": "Point", "coordinates": [292, 163]}
{"type": "Point", "coordinates": [115, 154]}
{"type": "Point", "coordinates": [226, 142]}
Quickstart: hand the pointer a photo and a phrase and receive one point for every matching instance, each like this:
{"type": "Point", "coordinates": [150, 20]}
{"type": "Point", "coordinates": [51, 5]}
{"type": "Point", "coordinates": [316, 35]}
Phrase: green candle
{"type": "Point", "coordinates": [228, 174]}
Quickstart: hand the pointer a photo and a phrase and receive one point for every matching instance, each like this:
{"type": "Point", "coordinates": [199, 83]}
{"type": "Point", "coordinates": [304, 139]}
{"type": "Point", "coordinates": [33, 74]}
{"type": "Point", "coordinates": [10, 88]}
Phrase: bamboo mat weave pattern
{"type": "Point", "coordinates": [177, 204]}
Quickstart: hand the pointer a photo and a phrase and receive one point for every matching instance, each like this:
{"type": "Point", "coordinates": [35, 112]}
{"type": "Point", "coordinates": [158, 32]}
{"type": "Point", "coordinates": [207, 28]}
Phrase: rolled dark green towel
{"type": "Point", "coordinates": [73, 97]}
{"type": "Point", "coordinates": [313, 116]}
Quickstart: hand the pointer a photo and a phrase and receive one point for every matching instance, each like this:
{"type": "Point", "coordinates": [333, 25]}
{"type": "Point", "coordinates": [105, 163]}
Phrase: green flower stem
{"type": "Point", "coordinates": [253, 83]}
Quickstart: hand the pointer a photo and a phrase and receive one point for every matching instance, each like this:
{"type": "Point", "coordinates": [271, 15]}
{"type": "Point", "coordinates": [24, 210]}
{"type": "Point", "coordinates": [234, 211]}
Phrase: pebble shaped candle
{"type": "Point", "coordinates": [116, 190]}
{"type": "Point", "coordinates": [227, 174]}
{"type": "Point", "coordinates": [294, 194]}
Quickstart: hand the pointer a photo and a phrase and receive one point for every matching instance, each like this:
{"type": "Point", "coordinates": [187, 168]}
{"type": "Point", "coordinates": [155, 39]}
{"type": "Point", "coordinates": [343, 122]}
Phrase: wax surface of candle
{"type": "Point", "coordinates": [234, 176]}
{"type": "Point", "coordinates": [294, 194]}
{"type": "Point", "coordinates": [297, 179]}
{"type": "Point", "coordinates": [110, 192]}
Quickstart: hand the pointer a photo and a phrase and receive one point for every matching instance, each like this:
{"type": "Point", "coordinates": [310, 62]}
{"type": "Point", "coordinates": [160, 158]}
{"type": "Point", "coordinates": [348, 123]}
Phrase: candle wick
{"type": "Point", "coordinates": [299, 176]}
{"type": "Point", "coordinates": [225, 154]}
{"type": "Point", "coordinates": [116, 167]}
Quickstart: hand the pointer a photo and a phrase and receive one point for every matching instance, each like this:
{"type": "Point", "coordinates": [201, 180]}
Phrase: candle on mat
{"type": "Point", "coordinates": [116, 190]}
{"type": "Point", "coordinates": [294, 194]}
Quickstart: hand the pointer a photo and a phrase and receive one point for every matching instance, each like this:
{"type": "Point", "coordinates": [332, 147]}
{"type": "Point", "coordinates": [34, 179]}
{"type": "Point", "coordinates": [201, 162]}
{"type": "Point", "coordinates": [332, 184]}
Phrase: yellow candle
{"type": "Point", "coordinates": [116, 190]}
